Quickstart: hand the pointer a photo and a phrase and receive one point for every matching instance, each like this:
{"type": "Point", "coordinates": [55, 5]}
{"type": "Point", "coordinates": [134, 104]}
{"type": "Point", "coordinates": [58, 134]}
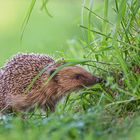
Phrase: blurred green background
{"type": "Point", "coordinates": [43, 34]}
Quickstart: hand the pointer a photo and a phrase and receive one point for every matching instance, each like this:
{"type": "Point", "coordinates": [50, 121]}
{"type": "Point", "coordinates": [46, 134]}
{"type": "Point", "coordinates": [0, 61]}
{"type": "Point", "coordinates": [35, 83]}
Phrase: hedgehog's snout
{"type": "Point", "coordinates": [100, 80]}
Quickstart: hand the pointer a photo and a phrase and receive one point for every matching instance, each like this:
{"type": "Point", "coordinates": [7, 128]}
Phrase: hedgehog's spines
{"type": "Point", "coordinates": [21, 55]}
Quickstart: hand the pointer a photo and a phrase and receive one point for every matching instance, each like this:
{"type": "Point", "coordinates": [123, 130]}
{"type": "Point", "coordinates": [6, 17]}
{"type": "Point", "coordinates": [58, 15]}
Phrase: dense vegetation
{"type": "Point", "coordinates": [110, 48]}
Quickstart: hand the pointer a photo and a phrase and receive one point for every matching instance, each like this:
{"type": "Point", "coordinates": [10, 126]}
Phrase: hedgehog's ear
{"type": "Point", "coordinates": [52, 71]}
{"type": "Point", "coordinates": [55, 76]}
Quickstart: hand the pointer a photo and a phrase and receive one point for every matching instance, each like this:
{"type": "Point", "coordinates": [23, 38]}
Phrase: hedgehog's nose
{"type": "Point", "coordinates": [100, 80]}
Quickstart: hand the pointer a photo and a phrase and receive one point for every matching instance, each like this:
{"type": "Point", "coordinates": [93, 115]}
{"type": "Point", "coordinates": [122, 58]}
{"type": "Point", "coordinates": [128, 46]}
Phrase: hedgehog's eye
{"type": "Point", "coordinates": [78, 76]}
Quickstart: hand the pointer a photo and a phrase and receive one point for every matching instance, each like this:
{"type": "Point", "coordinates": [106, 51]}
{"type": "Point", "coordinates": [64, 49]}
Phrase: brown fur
{"type": "Point", "coordinates": [22, 72]}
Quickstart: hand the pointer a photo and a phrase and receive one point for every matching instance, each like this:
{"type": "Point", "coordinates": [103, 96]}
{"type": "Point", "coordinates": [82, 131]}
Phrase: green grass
{"type": "Point", "coordinates": [106, 42]}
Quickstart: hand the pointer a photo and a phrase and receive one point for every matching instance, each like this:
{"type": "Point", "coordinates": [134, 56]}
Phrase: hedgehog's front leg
{"type": "Point", "coordinates": [28, 102]}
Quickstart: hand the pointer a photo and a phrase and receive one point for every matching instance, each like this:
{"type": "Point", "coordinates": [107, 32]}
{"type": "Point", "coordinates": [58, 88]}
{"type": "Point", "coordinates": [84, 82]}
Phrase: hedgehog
{"type": "Point", "coordinates": [17, 75]}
